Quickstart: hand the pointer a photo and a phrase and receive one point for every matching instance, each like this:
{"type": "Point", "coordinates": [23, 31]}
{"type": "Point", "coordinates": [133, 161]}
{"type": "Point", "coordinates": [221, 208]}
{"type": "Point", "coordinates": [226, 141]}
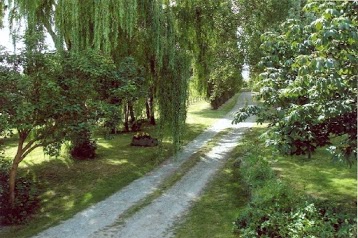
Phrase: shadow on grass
{"type": "Point", "coordinates": [321, 177]}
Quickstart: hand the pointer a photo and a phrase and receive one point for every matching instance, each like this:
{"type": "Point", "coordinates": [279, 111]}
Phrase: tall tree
{"type": "Point", "coordinates": [309, 83]}
{"type": "Point", "coordinates": [209, 31]}
{"type": "Point", "coordinates": [2, 13]}
{"type": "Point", "coordinates": [36, 103]}
{"type": "Point", "coordinates": [257, 17]}
{"type": "Point", "coordinates": [144, 30]}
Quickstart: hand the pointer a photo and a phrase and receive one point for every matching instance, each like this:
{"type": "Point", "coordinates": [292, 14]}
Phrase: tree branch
{"type": "Point", "coordinates": [29, 151]}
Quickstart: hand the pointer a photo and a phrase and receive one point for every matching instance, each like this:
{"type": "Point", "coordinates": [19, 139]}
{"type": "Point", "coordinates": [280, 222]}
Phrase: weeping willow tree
{"type": "Point", "coordinates": [158, 34]}
{"type": "Point", "coordinates": [2, 12]}
{"type": "Point", "coordinates": [209, 31]}
{"type": "Point", "coordinates": [146, 30]}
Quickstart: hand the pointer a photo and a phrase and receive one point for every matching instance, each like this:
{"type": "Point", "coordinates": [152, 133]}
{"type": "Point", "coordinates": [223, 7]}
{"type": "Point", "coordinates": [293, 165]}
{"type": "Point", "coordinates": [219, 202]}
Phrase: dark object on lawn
{"type": "Point", "coordinates": [84, 150]}
{"type": "Point", "coordinates": [238, 162]}
{"type": "Point", "coordinates": [144, 139]}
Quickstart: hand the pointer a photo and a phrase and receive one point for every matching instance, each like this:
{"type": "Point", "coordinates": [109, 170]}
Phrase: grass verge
{"type": "Point", "coordinates": [67, 186]}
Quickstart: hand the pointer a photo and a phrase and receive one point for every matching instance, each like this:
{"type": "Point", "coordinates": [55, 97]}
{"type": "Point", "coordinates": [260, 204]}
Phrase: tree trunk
{"type": "Point", "coordinates": [131, 112]}
{"type": "Point", "coordinates": [147, 109]}
{"type": "Point", "coordinates": [12, 181]}
{"type": "Point", "coordinates": [150, 101]}
{"type": "Point", "coordinates": [13, 170]}
{"type": "Point", "coordinates": [151, 108]}
{"type": "Point", "coordinates": [126, 116]}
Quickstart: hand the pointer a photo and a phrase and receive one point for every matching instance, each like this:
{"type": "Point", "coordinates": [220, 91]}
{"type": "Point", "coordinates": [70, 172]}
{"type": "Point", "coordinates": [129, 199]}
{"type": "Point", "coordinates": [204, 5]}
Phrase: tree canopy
{"type": "Point", "coordinates": [309, 80]}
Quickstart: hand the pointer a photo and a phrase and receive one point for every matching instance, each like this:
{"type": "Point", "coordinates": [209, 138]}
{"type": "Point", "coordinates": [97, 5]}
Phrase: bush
{"type": "Point", "coordinates": [255, 172]}
{"type": "Point", "coordinates": [26, 200]}
{"type": "Point", "coordinates": [82, 146]}
{"type": "Point", "coordinates": [301, 220]}
{"type": "Point", "coordinates": [276, 210]}
{"type": "Point", "coordinates": [84, 150]}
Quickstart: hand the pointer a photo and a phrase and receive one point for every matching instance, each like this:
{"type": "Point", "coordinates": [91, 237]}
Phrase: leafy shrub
{"type": "Point", "coordinates": [26, 200]}
{"type": "Point", "coordinates": [256, 172]}
{"type": "Point", "coordinates": [83, 147]}
{"type": "Point", "coordinates": [276, 210]}
{"type": "Point", "coordinates": [302, 220]}
{"type": "Point", "coordinates": [84, 150]}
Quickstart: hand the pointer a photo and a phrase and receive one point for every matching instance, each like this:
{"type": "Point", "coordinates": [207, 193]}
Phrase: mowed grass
{"type": "Point", "coordinates": [67, 186]}
{"type": "Point", "coordinates": [214, 213]}
{"type": "Point", "coordinates": [320, 177]}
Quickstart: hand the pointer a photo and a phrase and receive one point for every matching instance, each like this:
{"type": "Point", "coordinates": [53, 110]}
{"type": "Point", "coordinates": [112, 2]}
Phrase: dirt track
{"type": "Point", "coordinates": [160, 216]}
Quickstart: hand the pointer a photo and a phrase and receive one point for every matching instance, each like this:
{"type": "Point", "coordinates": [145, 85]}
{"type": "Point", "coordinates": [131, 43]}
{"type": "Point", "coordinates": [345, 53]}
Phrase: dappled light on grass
{"type": "Point", "coordinates": [69, 205]}
{"type": "Point", "coordinates": [117, 162]}
{"type": "Point", "coordinates": [201, 112]}
{"type": "Point", "coordinates": [105, 144]}
{"type": "Point", "coordinates": [224, 200]}
{"type": "Point", "coordinates": [228, 171]}
{"type": "Point", "coordinates": [87, 197]}
{"type": "Point", "coordinates": [67, 186]}
{"type": "Point", "coordinates": [320, 176]}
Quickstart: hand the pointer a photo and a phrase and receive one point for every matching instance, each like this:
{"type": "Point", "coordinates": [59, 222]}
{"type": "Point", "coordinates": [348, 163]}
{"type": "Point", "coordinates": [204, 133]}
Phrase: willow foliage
{"type": "Point", "coordinates": [2, 13]}
{"type": "Point", "coordinates": [98, 25]}
{"type": "Point", "coordinates": [165, 37]}
{"type": "Point", "coordinates": [146, 30]}
{"type": "Point", "coordinates": [209, 31]}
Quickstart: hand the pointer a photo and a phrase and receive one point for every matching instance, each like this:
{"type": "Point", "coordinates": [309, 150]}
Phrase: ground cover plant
{"type": "Point", "coordinates": [66, 186]}
{"type": "Point", "coordinates": [277, 209]}
{"type": "Point", "coordinates": [265, 193]}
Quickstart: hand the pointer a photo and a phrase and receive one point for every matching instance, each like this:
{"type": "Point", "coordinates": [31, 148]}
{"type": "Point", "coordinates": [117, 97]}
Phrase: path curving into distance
{"type": "Point", "coordinates": [157, 219]}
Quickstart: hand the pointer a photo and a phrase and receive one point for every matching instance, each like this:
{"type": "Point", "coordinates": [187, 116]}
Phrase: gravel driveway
{"type": "Point", "coordinates": [158, 218]}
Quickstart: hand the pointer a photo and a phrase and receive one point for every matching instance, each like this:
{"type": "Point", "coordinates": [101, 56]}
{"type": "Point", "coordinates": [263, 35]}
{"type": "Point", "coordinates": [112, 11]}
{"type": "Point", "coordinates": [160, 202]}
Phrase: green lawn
{"type": "Point", "coordinates": [218, 207]}
{"type": "Point", "coordinates": [320, 177]}
{"type": "Point", "coordinates": [67, 186]}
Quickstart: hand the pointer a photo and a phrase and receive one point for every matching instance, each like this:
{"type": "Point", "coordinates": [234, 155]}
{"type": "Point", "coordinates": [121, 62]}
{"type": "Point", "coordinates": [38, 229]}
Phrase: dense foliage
{"type": "Point", "coordinates": [309, 81]}
{"type": "Point", "coordinates": [277, 210]}
{"type": "Point", "coordinates": [255, 17]}
{"type": "Point", "coordinates": [36, 103]}
{"type": "Point", "coordinates": [209, 30]}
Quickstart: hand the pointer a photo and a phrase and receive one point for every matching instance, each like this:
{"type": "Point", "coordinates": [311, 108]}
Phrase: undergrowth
{"type": "Point", "coordinates": [277, 209]}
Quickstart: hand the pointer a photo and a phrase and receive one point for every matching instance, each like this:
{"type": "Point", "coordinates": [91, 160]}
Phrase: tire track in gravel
{"type": "Point", "coordinates": [157, 218]}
